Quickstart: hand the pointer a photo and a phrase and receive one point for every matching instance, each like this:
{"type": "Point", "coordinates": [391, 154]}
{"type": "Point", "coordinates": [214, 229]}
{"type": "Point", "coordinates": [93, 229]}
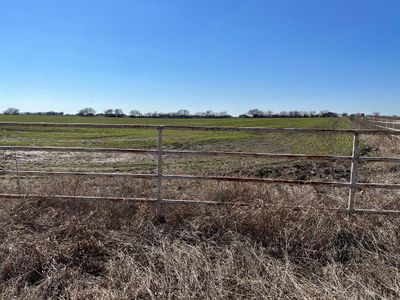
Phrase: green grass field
{"type": "Point", "coordinates": [134, 138]}
{"type": "Point", "coordinates": [234, 122]}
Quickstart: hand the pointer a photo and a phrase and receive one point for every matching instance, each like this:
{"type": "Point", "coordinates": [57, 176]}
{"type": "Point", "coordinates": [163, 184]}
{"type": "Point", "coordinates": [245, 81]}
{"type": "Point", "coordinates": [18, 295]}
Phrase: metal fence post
{"type": "Point", "coordinates": [353, 175]}
{"type": "Point", "coordinates": [17, 169]}
{"type": "Point", "coordinates": [159, 170]}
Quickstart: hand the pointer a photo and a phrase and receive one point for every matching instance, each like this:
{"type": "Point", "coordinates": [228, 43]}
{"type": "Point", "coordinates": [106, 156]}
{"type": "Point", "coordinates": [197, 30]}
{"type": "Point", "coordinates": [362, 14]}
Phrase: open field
{"type": "Point", "coordinates": [242, 122]}
{"type": "Point", "coordinates": [176, 139]}
{"type": "Point", "coordinates": [173, 139]}
{"type": "Point", "coordinates": [115, 250]}
{"type": "Point", "coordinates": [125, 138]}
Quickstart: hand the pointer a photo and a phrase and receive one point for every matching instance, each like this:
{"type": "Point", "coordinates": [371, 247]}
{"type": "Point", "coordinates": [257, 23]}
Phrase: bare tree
{"type": "Point", "coordinates": [283, 114]}
{"type": "Point", "coordinates": [209, 114]}
{"type": "Point", "coordinates": [256, 113]}
{"type": "Point", "coordinates": [135, 113]}
{"type": "Point", "coordinates": [87, 112]}
{"type": "Point", "coordinates": [11, 111]}
{"type": "Point", "coordinates": [118, 113]}
{"type": "Point", "coordinates": [183, 113]}
{"type": "Point", "coordinates": [154, 114]}
{"type": "Point", "coordinates": [376, 114]}
{"type": "Point", "coordinates": [109, 112]}
{"type": "Point", "coordinates": [294, 114]}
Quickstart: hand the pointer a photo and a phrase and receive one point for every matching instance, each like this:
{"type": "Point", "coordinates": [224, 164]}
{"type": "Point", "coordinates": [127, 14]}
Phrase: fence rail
{"type": "Point", "coordinates": [353, 185]}
{"type": "Point", "coordinates": [379, 122]}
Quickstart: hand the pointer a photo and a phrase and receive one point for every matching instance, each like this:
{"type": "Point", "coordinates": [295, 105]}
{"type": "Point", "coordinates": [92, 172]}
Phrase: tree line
{"type": "Point", "coordinates": [15, 111]}
{"type": "Point", "coordinates": [257, 113]}
{"type": "Point", "coordinates": [184, 113]}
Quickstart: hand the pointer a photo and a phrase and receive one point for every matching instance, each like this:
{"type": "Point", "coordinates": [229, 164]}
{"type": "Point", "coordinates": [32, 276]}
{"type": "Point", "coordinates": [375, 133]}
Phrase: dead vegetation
{"type": "Point", "coordinates": [59, 249]}
{"type": "Point", "coordinates": [63, 249]}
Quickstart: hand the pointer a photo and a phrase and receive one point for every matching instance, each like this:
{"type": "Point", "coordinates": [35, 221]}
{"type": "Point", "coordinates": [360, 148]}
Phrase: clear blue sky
{"type": "Point", "coordinates": [341, 55]}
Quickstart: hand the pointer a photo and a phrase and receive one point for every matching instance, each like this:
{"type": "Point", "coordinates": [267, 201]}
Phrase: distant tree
{"type": "Point", "coordinates": [200, 114]}
{"type": "Point", "coordinates": [283, 114]}
{"type": "Point", "coordinates": [154, 114]}
{"type": "Point", "coordinates": [345, 114]}
{"type": "Point", "coordinates": [376, 114]}
{"type": "Point", "coordinates": [327, 113]}
{"type": "Point", "coordinates": [269, 113]}
{"type": "Point", "coordinates": [256, 113]}
{"type": "Point", "coordinates": [294, 114]}
{"type": "Point", "coordinates": [87, 112]}
{"type": "Point", "coordinates": [119, 113]}
{"type": "Point", "coordinates": [183, 113]}
{"type": "Point", "coordinates": [11, 111]}
{"type": "Point", "coordinates": [53, 113]}
{"type": "Point", "coordinates": [135, 113]}
{"type": "Point", "coordinates": [209, 114]}
{"type": "Point", "coordinates": [109, 112]}
{"type": "Point", "coordinates": [313, 113]}
{"type": "Point", "coordinates": [304, 114]}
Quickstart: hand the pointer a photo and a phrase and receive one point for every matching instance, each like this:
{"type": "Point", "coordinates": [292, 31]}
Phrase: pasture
{"type": "Point", "coordinates": [131, 138]}
{"type": "Point", "coordinates": [73, 249]}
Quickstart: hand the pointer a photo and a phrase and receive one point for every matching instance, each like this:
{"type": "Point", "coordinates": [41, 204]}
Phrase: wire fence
{"type": "Point", "coordinates": [353, 185]}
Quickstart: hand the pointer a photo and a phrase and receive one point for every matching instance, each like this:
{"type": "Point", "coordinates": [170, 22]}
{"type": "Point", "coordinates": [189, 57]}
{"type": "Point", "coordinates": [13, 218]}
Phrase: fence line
{"type": "Point", "coordinates": [202, 153]}
{"type": "Point", "coordinates": [199, 128]}
{"type": "Point", "coordinates": [353, 185]}
{"type": "Point", "coordinates": [378, 122]}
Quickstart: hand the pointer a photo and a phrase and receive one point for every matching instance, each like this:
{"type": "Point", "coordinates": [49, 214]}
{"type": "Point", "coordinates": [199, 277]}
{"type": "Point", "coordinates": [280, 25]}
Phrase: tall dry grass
{"type": "Point", "coordinates": [70, 249]}
{"type": "Point", "coordinates": [59, 249]}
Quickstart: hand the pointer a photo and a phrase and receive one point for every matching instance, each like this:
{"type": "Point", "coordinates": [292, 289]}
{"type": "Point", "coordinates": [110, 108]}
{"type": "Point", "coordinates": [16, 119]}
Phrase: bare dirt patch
{"type": "Point", "coordinates": [307, 170]}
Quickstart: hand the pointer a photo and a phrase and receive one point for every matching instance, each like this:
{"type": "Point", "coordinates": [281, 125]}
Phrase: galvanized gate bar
{"type": "Point", "coordinates": [76, 149]}
{"type": "Point", "coordinates": [200, 153]}
{"type": "Point", "coordinates": [257, 180]}
{"type": "Point", "coordinates": [285, 130]}
{"type": "Point", "coordinates": [202, 128]}
{"type": "Point", "coordinates": [379, 159]}
{"type": "Point", "coordinates": [196, 202]}
{"type": "Point", "coordinates": [259, 155]}
{"type": "Point", "coordinates": [77, 197]}
{"type": "Point", "coordinates": [49, 173]}
{"type": "Point", "coordinates": [353, 174]}
{"type": "Point", "coordinates": [159, 170]}
{"type": "Point", "coordinates": [283, 181]}
{"type": "Point", "coordinates": [176, 152]}
{"type": "Point", "coordinates": [77, 125]}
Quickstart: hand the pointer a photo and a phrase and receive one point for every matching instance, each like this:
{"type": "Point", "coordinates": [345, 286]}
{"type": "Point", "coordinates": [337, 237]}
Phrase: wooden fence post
{"type": "Point", "coordinates": [353, 175]}
{"type": "Point", "coordinates": [159, 170]}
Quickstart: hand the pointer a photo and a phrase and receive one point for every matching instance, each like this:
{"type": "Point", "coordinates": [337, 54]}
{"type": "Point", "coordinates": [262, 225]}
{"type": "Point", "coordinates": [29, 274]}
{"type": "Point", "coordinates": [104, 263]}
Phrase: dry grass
{"type": "Point", "coordinates": [58, 249]}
